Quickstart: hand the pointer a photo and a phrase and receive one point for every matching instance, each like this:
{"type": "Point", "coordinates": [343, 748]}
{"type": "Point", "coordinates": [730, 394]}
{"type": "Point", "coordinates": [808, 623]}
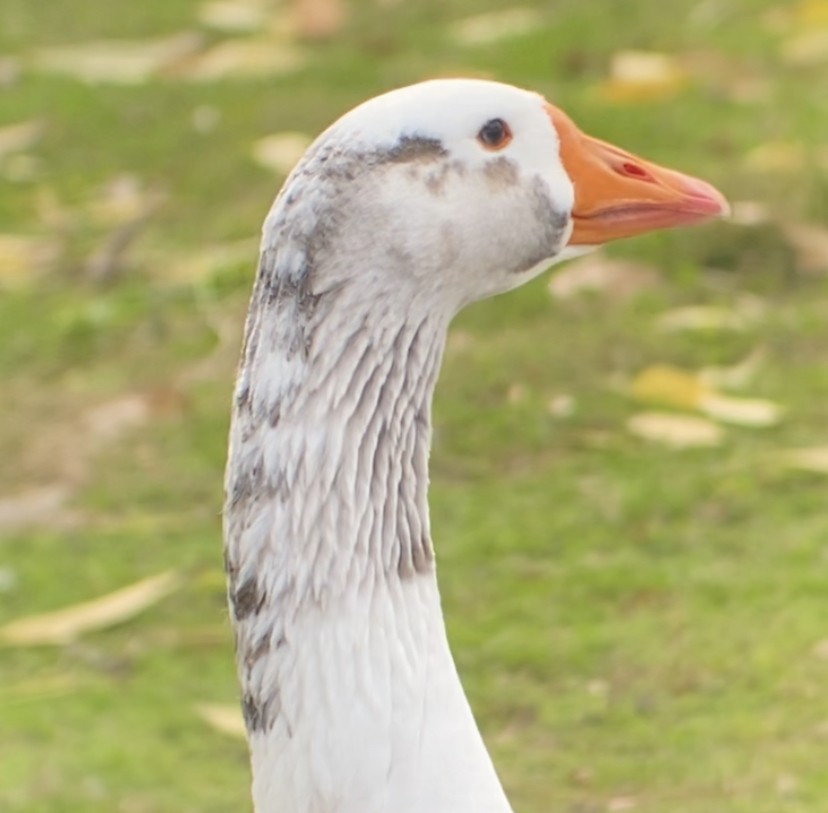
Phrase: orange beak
{"type": "Point", "coordinates": [620, 195]}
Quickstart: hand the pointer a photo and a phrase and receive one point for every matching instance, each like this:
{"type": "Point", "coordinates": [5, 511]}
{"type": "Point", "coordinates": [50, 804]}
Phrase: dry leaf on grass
{"type": "Point", "coordinates": [749, 213]}
{"type": "Point", "coordinates": [675, 431]}
{"type": "Point", "coordinates": [224, 719]}
{"type": "Point", "coordinates": [20, 136]}
{"type": "Point", "coordinates": [598, 273]}
{"type": "Point", "coordinates": [121, 199]}
{"type": "Point", "coordinates": [201, 265]}
{"type": "Point", "coordinates": [125, 62]}
{"type": "Point", "coordinates": [35, 507]}
{"type": "Point", "coordinates": [318, 19]}
{"type": "Point", "coordinates": [281, 151]}
{"type": "Point", "coordinates": [671, 386]}
{"type": "Point", "coordinates": [233, 16]}
{"type": "Point", "coordinates": [22, 257]}
{"type": "Point", "coordinates": [243, 59]}
{"type": "Point", "coordinates": [107, 421]}
{"type": "Point", "coordinates": [810, 244]}
{"type": "Point", "coordinates": [40, 688]}
{"type": "Point", "coordinates": [495, 26]}
{"type": "Point", "coordinates": [805, 48]}
{"type": "Point", "coordinates": [785, 156]}
{"type": "Point", "coordinates": [745, 313]}
{"type": "Point", "coordinates": [641, 76]}
{"type": "Point", "coordinates": [735, 376]}
{"type": "Point", "coordinates": [65, 625]}
{"type": "Point", "coordinates": [814, 459]}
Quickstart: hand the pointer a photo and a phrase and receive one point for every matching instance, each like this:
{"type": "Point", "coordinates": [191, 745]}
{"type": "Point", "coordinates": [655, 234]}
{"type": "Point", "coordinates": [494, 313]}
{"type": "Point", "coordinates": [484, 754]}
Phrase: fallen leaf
{"type": "Point", "coordinates": [224, 719]}
{"type": "Point", "coordinates": [233, 16]}
{"type": "Point", "coordinates": [121, 199]}
{"type": "Point", "coordinates": [561, 406]}
{"type": "Point", "coordinates": [745, 313]}
{"type": "Point", "coordinates": [107, 421]}
{"type": "Point", "coordinates": [483, 29]}
{"type": "Point", "coordinates": [243, 58]}
{"type": "Point", "coordinates": [676, 431]}
{"type": "Point", "coordinates": [749, 213]}
{"type": "Point", "coordinates": [65, 625]}
{"type": "Point", "coordinates": [280, 152]}
{"type": "Point", "coordinates": [8, 579]}
{"type": "Point", "coordinates": [735, 376]}
{"type": "Point", "coordinates": [22, 257]}
{"type": "Point", "coordinates": [752, 412]}
{"type": "Point", "coordinates": [671, 386]}
{"type": "Point", "coordinates": [20, 136]}
{"type": "Point", "coordinates": [814, 459]}
{"type": "Point", "coordinates": [598, 273]}
{"type": "Point", "coordinates": [124, 62]}
{"type": "Point", "coordinates": [37, 506]}
{"type": "Point", "coordinates": [621, 804]}
{"type": "Point", "coordinates": [641, 76]}
{"type": "Point", "coordinates": [318, 19]}
{"type": "Point", "coordinates": [40, 688]}
{"type": "Point", "coordinates": [810, 244]}
{"type": "Point", "coordinates": [197, 266]}
{"type": "Point", "coordinates": [785, 156]}
{"type": "Point", "coordinates": [805, 48]}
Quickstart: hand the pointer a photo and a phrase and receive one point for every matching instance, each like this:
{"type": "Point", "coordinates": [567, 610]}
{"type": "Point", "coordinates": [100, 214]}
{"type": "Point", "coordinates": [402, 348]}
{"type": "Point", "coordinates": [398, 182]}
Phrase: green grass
{"type": "Point", "coordinates": [631, 623]}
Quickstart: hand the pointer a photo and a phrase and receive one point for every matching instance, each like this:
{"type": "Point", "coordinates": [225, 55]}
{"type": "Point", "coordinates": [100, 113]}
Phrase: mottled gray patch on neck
{"type": "Point", "coordinates": [501, 172]}
{"type": "Point", "coordinates": [247, 599]}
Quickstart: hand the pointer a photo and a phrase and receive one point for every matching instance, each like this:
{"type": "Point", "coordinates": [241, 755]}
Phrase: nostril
{"type": "Point", "coordinates": [635, 171]}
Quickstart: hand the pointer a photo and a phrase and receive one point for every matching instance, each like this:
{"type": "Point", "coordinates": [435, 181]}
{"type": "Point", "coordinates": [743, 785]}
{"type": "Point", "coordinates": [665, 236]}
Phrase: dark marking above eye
{"type": "Point", "coordinates": [494, 134]}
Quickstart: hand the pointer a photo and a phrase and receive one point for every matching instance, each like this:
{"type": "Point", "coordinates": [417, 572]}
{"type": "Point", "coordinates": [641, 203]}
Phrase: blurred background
{"type": "Point", "coordinates": [631, 454]}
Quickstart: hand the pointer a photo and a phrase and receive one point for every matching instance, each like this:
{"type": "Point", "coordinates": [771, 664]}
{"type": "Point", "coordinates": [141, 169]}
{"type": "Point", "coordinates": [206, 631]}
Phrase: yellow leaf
{"type": "Point", "coordinates": [813, 459]}
{"type": "Point", "coordinates": [675, 431]}
{"type": "Point", "coordinates": [68, 623]}
{"type": "Point", "coordinates": [670, 386]}
{"type": "Point", "coordinates": [224, 719]}
{"type": "Point", "coordinates": [811, 12]}
{"type": "Point", "coordinates": [281, 151]}
{"type": "Point", "coordinates": [483, 29]}
{"type": "Point", "coordinates": [638, 76]}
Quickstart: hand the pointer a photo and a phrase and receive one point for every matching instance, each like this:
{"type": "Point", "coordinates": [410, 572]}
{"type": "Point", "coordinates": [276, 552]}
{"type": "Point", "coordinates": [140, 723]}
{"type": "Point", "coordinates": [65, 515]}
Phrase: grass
{"type": "Point", "coordinates": [637, 628]}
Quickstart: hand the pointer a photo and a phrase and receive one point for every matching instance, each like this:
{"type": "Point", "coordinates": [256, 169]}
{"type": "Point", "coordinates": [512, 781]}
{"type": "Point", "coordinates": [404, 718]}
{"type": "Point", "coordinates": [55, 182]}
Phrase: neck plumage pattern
{"type": "Point", "coordinates": [350, 694]}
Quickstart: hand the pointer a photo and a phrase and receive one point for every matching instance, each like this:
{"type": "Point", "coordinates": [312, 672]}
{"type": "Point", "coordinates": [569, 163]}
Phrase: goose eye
{"type": "Point", "coordinates": [494, 134]}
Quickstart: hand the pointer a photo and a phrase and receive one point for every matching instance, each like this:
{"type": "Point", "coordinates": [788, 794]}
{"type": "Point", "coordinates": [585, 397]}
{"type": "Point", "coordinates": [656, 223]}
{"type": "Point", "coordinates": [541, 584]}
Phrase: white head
{"type": "Point", "coordinates": [466, 188]}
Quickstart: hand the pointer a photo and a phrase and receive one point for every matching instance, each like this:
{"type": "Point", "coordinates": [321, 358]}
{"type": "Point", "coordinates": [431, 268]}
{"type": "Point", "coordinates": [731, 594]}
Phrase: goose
{"type": "Point", "coordinates": [406, 209]}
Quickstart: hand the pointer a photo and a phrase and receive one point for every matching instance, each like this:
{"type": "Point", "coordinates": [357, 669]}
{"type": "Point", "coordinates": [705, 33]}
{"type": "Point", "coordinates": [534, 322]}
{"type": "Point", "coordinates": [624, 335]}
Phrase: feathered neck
{"type": "Point", "coordinates": [350, 694]}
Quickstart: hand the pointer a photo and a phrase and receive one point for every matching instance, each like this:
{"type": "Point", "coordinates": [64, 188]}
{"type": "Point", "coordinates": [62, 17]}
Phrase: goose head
{"type": "Point", "coordinates": [406, 209]}
{"type": "Point", "coordinates": [468, 188]}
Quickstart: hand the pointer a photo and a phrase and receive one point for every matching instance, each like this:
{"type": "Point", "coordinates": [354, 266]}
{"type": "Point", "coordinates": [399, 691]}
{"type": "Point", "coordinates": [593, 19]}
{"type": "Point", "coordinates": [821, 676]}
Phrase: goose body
{"type": "Point", "coordinates": [405, 210]}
